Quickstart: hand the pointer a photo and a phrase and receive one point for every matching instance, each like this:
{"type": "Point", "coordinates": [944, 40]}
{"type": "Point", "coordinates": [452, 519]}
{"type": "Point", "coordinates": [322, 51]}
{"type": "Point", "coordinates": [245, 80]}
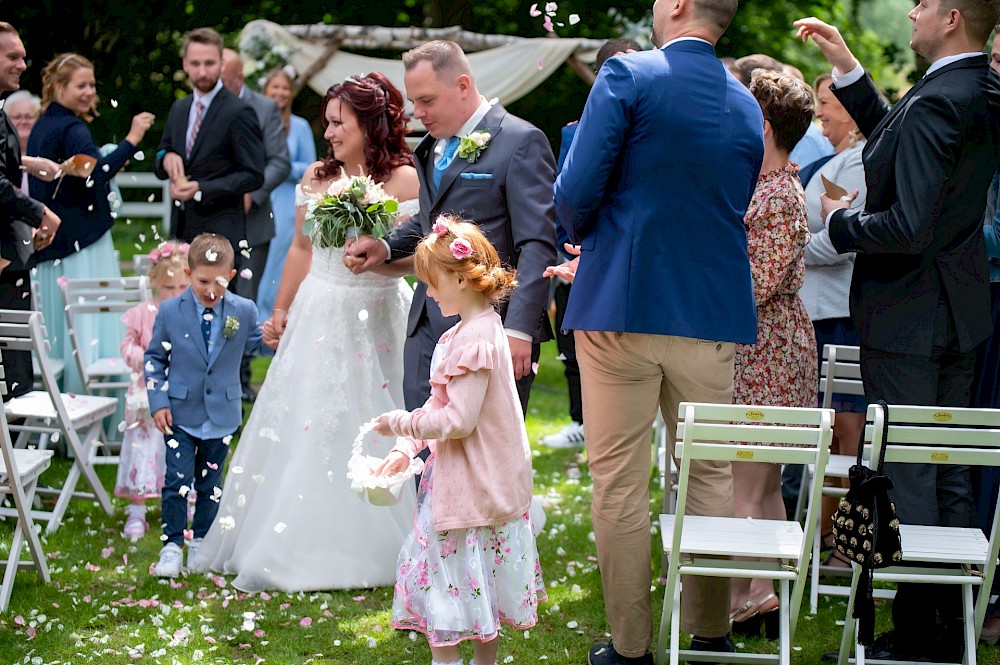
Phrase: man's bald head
{"type": "Point", "coordinates": [232, 71]}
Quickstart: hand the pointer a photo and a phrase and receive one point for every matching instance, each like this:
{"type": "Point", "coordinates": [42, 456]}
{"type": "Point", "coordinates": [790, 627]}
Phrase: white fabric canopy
{"type": "Point", "coordinates": [508, 72]}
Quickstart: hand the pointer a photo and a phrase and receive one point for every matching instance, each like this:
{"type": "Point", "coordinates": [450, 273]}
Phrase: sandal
{"type": "Point", "coordinates": [834, 559]}
{"type": "Point", "coordinates": [753, 615]}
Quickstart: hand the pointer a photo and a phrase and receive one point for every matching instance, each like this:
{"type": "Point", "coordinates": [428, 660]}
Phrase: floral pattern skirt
{"type": "Point", "coordinates": [141, 462]}
{"type": "Point", "coordinates": [461, 584]}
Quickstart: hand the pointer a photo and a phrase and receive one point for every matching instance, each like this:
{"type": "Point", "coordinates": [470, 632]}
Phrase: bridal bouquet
{"type": "Point", "coordinates": [351, 206]}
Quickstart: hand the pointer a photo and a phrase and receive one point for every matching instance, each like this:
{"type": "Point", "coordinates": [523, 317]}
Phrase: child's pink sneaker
{"type": "Point", "coordinates": [135, 527]}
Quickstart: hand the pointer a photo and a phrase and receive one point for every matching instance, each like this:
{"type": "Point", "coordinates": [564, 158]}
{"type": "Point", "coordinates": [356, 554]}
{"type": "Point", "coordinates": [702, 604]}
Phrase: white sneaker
{"type": "Point", "coordinates": [192, 548]}
{"type": "Point", "coordinates": [570, 436]}
{"type": "Point", "coordinates": [169, 564]}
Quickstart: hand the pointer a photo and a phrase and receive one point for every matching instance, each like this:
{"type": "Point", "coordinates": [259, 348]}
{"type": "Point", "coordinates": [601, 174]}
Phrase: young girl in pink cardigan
{"type": "Point", "coordinates": [141, 463]}
{"type": "Point", "coordinates": [470, 562]}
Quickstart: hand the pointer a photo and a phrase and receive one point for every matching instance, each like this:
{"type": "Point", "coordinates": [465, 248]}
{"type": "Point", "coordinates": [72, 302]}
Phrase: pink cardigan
{"type": "Point", "coordinates": [474, 425]}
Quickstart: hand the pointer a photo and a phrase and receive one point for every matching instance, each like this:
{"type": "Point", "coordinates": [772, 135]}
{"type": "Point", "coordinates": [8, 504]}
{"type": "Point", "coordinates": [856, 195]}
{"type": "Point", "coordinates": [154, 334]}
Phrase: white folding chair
{"type": "Point", "coordinates": [698, 545]}
{"type": "Point", "coordinates": [665, 464]}
{"type": "Point", "coordinates": [840, 372]}
{"type": "Point", "coordinates": [937, 435]}
{"type": "Point", "coordinates": [50, 412]}
{"type": "Point", "coordinates": [58, 364]}
{"type": "Point", "coordinates": [141, 264]}
{"type": "Point", "coordinates": [96, 299]}
{"type": "Point", "coordinates": [18, 480]}
{"type": "Point", "coordinates": [89, 301]}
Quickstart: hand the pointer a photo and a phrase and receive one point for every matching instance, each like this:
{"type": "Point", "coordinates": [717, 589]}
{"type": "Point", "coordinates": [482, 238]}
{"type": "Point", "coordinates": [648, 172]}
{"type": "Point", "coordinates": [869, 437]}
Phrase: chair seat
{"type": "Point", "coordinates": [108, 367]}
{"type": "Point", "coordinates": [82, 409]}
{"type": "Point", "coordinates": [943, 544]}
{"type": "Point", "coordinates": [29, 462]}
{"type": "Point", "coordinates": [729, 536]}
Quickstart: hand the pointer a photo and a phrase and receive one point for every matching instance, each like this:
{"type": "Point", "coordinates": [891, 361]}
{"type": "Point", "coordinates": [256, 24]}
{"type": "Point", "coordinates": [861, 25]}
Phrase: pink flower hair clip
{"type": "Point", "coordinates": [460, 248]}
{"type": "Point", "coordinates": [165, 249]}
{"type": "Point", "coordinates": [440, 227]}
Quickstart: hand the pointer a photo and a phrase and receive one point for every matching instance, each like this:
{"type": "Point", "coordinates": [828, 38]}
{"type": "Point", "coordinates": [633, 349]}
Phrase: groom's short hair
{"type": "Point", "coordinates": [717, 14]}
{"type": "Point", "coordinates": [446, 57]}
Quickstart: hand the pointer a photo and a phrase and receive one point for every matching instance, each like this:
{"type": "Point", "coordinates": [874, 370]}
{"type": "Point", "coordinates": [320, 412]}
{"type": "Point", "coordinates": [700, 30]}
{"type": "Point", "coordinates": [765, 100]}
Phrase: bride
{"type": "Point", "coordinates": [288, 518]}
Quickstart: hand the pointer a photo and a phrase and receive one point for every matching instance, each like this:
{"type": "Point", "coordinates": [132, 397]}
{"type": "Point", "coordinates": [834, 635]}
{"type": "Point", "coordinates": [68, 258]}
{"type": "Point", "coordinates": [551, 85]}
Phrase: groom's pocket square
{"type": "Point", "coordinates": [477, 176]}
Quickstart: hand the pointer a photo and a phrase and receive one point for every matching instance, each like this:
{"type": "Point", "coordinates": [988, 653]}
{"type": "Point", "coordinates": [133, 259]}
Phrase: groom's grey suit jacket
{"type": "Point", "coordinates": [508, 193]}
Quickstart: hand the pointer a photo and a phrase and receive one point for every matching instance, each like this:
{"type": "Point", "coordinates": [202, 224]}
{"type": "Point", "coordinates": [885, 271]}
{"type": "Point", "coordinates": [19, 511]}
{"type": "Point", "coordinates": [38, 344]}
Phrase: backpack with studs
{"type": "Point", "coordinates": [866, 531]}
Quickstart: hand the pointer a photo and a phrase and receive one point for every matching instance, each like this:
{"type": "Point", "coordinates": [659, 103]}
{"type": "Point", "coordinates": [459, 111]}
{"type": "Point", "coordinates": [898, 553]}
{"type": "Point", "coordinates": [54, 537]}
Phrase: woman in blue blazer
{"type": "Point", "coordinates": [82, 247]}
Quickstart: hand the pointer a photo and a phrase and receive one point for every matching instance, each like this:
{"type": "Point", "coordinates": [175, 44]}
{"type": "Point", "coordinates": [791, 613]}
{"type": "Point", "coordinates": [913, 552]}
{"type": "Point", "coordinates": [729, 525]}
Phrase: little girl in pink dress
{"type": "Point", "coordinates": [470, 562]}
{"type": "Point", "coordinates": [141, 463]}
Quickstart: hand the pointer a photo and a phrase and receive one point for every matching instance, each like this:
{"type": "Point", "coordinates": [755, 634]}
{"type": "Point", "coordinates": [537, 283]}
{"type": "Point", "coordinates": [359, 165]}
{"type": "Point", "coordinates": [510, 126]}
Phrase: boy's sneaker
{"type": "Point", "coordinates": [135, 527]}
{"type": "Point", "coordinates": [169, 564]}
{"type": "Point", "coordinates": [192, 548]}
{"type": "Point", "coordinates": [570, 436]}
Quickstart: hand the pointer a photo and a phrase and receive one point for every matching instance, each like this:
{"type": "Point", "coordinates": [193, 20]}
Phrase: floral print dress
{"type": "Point", "coordinates": [780, 369]}
{"type": "Point", "coordinates": [141, 463]}
{"type": "Point", "coordinates": [461, 584]}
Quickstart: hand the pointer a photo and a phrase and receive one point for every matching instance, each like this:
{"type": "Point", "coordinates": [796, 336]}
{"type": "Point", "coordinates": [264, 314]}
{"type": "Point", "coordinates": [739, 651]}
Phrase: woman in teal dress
{"type": "Point", "coordinates": [82, 247]}
{"type": "Point", "coordinates": [302, 149]}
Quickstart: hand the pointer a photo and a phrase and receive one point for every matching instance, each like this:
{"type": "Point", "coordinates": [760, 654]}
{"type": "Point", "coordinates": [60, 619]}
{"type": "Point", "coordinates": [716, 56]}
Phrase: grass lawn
{"type": "Point", "coordinates": [103, 606]}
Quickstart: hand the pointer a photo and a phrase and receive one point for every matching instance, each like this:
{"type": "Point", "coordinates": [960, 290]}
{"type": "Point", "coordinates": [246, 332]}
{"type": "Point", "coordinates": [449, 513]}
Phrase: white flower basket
{"type": "Point", "coordinates": [373, 489]}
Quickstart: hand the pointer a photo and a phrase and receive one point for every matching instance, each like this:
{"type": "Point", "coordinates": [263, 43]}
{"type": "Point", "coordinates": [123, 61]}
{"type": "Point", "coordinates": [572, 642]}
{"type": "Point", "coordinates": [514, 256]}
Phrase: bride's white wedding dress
{"type": "Point", "coordinates": [288, 518]}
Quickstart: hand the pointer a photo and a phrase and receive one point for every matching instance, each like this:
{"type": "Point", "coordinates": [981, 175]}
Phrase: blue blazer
{"type": "Point", "coordinates": [200, 387]}
{"type": "Point", "coordinates": [85, 211]}
{"type": "Point", "coordinates": [654, 189]}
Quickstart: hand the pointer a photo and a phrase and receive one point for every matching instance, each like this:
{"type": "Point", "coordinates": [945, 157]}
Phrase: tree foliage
{"type": "Point", "coordinates": [135, 46]}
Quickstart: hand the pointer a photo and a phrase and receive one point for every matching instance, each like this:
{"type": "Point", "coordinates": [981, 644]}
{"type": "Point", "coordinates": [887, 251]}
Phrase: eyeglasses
{"type": "Point", "coordinates": [22, 117]}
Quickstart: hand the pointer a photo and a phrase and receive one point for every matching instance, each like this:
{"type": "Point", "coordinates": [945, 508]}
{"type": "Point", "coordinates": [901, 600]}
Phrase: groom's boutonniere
{"type": "Point", "coordinates": [472, 145]}
{"type": "Point", "coordinates": [232, 325]}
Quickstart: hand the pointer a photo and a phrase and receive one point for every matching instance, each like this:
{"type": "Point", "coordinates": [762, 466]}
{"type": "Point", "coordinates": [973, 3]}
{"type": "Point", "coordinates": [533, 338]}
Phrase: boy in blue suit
{"type": "Point", "coordinates": [193, 380]}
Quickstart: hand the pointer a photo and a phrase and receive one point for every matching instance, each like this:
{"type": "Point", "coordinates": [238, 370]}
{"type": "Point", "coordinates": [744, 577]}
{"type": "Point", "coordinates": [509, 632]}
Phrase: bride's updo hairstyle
{"type": "Point", "coordinates": [461, 248]}
{"type": "Point", "coordinates": [379, 107]}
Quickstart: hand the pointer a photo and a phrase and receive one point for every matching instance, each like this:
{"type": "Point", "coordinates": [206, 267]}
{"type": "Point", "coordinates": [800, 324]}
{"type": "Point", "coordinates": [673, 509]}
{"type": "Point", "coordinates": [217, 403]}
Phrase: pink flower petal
{"type": "Point", "coordinates": [534, 11]}
{"type": "Point", "coordinates": [541, 64]}
{"type": "Point", "coordinates": [547, 24]}
{"type": "Point", "coordinates": [306, 622]}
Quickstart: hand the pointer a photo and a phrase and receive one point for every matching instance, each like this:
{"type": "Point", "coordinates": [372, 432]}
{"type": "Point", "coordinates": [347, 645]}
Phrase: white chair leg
{"type": "Point", "coordinates": [971, 636]}
{"type": "Point", "coordinates": [34, 544]}
{"type": "Point", "coordinates": [849, 638]}
{"type": "Point", "coordinates": [665, 618]}
{"type": "Point", "coordinates": [784, 630]}
{"type": "Point", "coordinates": [675, 625]}
{"type": "Point", "coordinates": [814, 570]}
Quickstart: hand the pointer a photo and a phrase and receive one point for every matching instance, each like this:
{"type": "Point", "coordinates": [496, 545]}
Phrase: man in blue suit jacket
{"type": "Point", "coordinates": [654, 190]}
{"type": "Point", "coordinates": [198, 340]}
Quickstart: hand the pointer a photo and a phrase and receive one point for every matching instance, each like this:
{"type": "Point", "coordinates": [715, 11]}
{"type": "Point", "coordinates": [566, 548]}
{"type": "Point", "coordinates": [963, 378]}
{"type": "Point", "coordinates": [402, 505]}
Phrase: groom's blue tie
{"type": "Point", "coordinates": [442, 163]}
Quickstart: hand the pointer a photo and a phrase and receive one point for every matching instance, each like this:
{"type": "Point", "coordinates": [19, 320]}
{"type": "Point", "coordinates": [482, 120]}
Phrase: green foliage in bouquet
{"type": "Point", "coordinates": [353, 205]}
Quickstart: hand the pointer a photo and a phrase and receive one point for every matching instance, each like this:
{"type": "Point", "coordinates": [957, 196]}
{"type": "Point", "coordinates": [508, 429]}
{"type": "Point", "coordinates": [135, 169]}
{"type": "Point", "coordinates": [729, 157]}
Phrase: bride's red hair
{"type": "Point", "coordinates": [379, 107]}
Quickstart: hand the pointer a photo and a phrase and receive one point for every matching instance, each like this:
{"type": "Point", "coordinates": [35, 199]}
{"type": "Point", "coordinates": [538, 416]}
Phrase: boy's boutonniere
{"type": "Point", "coordinates": [232, 325]}
{"type": "Point", "coordinates": [472, 145]}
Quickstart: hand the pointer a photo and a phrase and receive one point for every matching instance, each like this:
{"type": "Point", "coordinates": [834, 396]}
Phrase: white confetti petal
{"type": "Point", "coordinates": [279, 527]}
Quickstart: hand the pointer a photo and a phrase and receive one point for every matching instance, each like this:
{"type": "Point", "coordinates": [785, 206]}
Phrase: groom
{"type": "Point", "coordinates": [505, 187]}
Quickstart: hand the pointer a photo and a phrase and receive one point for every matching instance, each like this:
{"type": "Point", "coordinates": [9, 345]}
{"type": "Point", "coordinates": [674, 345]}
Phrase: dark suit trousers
{"type": "Point", "coordinates": [925, 493]}
{"type": "Point", "coordinates": [15, 293]}
{"type": "Point", "coordinates": [567, 347]}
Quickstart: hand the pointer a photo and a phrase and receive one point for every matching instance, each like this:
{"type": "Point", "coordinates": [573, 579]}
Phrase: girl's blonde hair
{"type": "Point", "coordinates": [58, 73]}
{"type": "Point", "coordinates": [461, 248]}
{"type": "Point", "coordinates": [168, 259]}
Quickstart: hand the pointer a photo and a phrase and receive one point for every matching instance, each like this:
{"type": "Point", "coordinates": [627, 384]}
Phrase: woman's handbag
{"type": "Point", "coordinates": [866, 531]}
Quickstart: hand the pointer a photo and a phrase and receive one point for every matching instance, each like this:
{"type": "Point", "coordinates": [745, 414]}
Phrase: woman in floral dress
{"type": "Point", "coordinates": [780, 369]}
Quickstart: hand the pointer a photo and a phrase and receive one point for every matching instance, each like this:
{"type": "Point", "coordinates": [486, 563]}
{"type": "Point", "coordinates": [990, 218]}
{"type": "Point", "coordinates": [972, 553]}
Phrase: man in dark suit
{"type": "Point", "coordinates": [211, 150]}
{"type": "Point", "coordinates": [257, 204]}
{"type": "Point", "coordinates": [920, 292]}
{"type": "Point", "coordinates": [654, 190]}
{"type": "Point", "coordinates": [24, 222]}
{"type": "Point", "coordinates": [506, 190]}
